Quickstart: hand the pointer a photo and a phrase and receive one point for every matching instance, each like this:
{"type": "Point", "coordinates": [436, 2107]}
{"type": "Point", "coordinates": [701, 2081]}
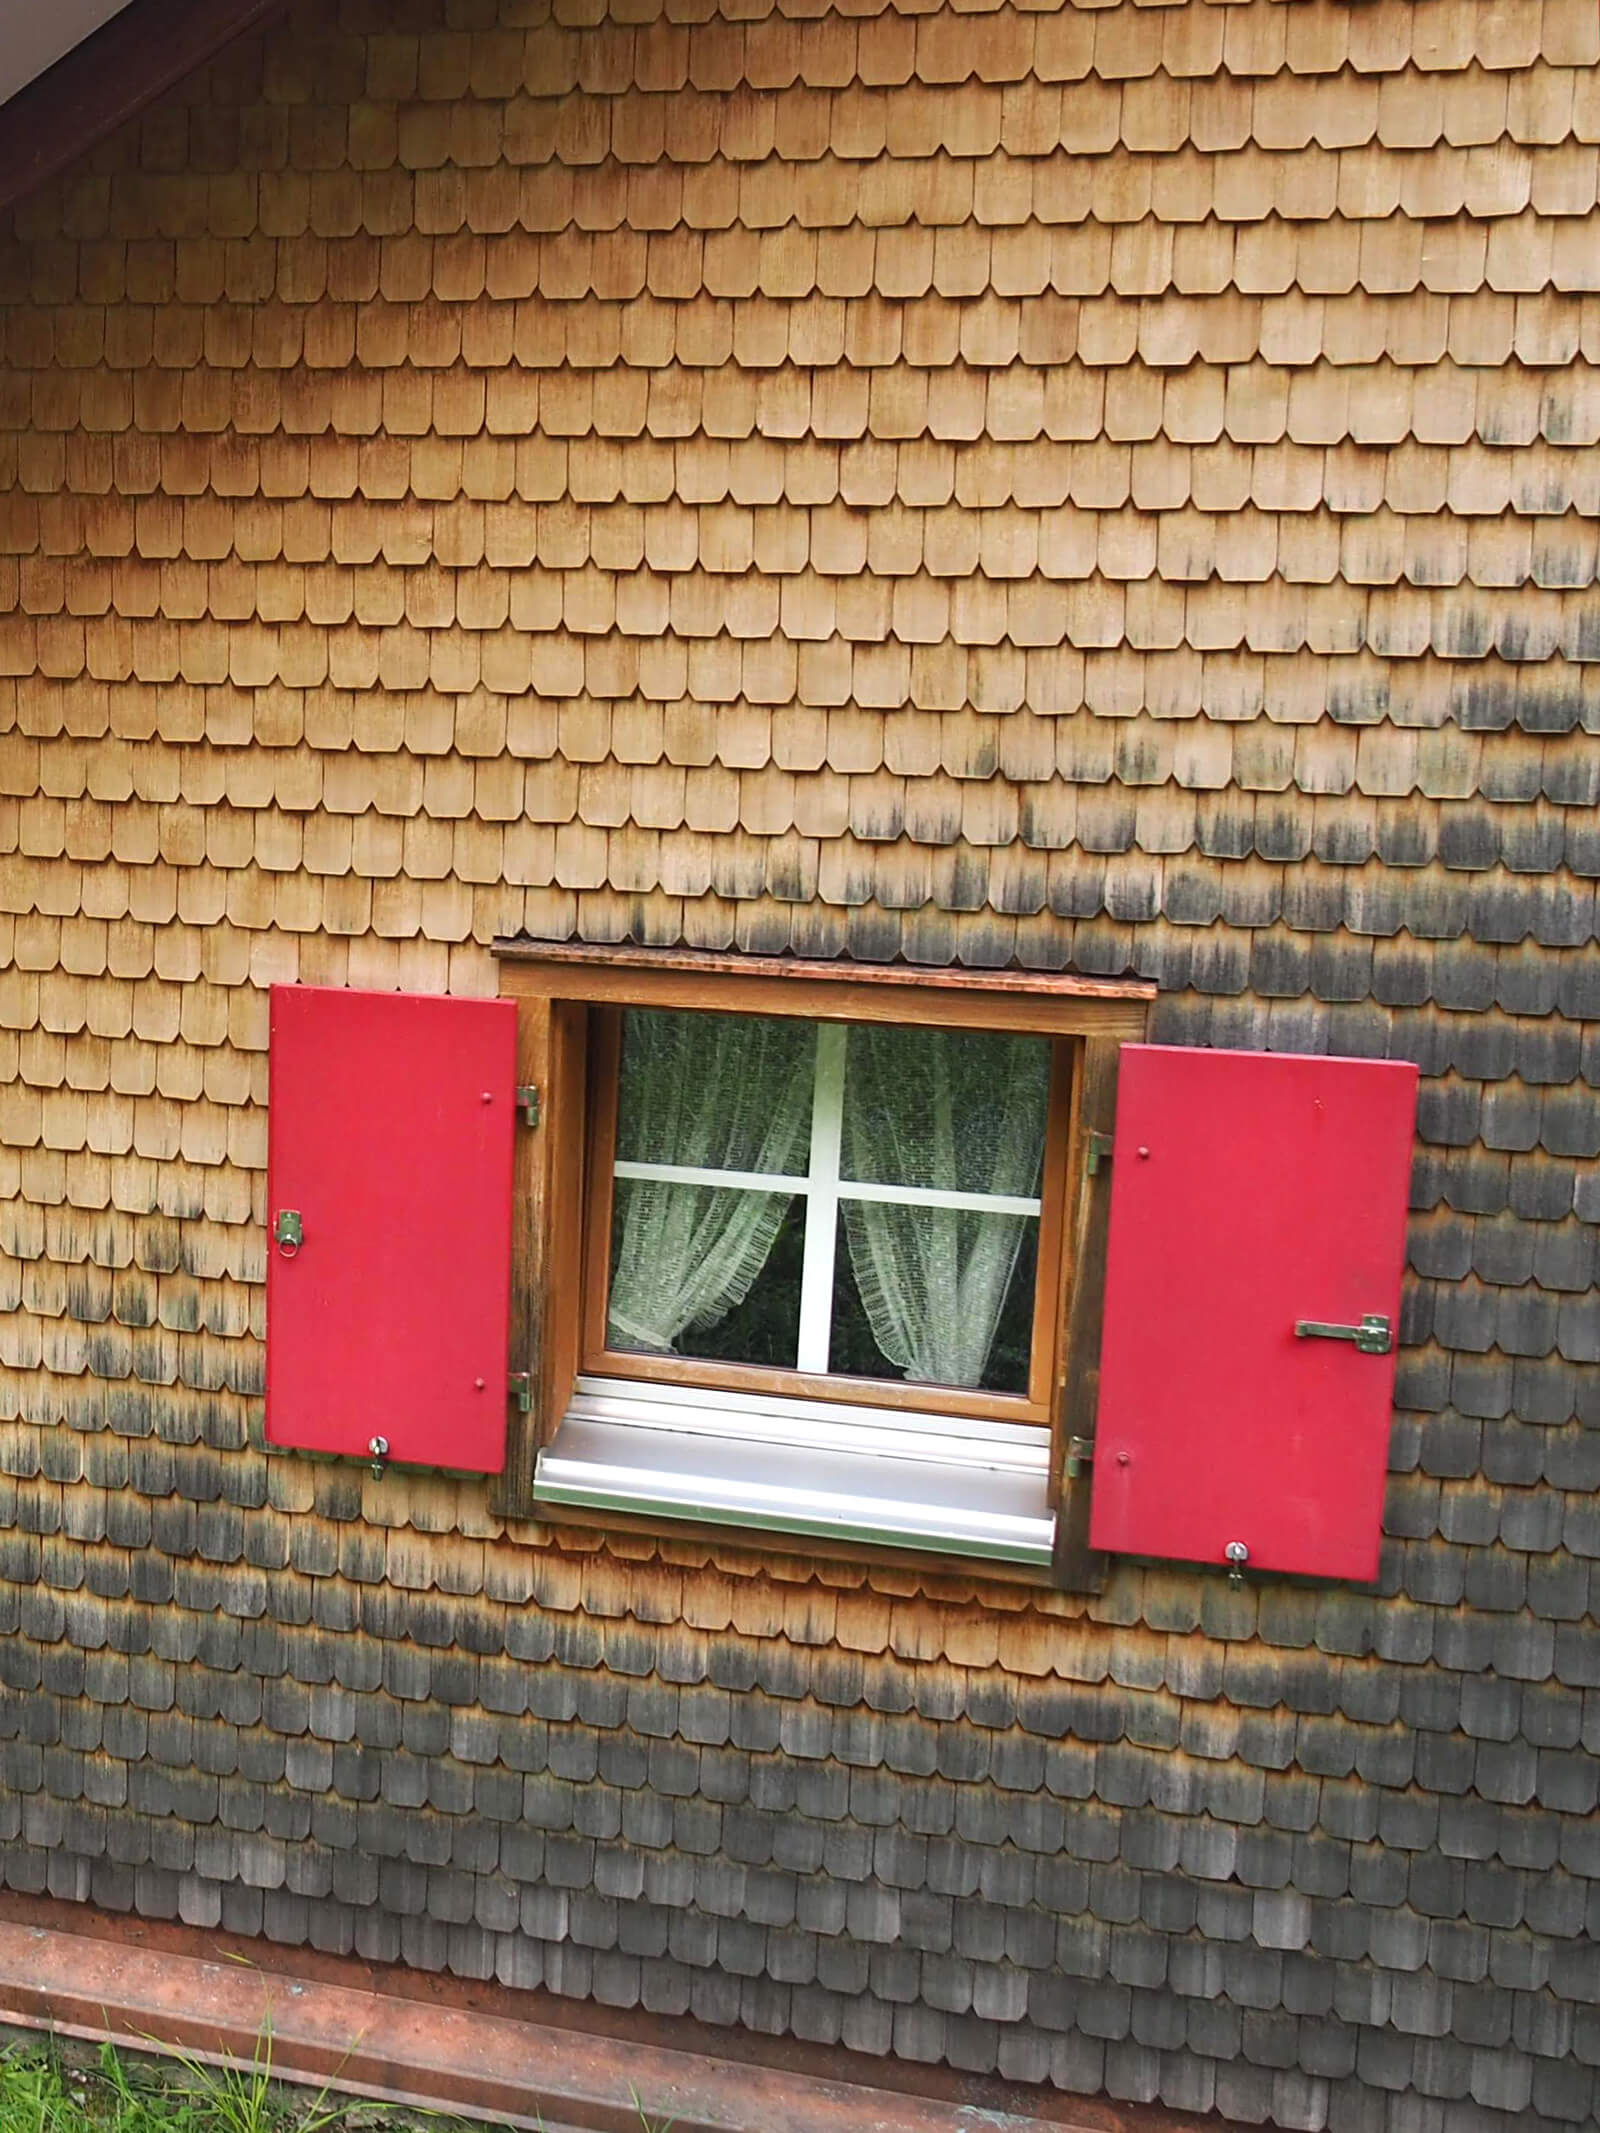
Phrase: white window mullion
{"type": "Point", "coordinates": [822, 1207]}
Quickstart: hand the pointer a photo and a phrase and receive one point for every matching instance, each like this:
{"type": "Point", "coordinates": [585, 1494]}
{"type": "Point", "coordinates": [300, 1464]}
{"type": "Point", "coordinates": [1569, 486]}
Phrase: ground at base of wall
{"type": "Point", "coordinates": [480, 2053]}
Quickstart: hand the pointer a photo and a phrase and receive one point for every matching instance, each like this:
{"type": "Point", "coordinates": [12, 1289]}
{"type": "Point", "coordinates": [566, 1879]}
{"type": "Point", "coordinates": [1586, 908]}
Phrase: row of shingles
{"type": "Point", "coordinates": [923, 847]}
{"type": "Point", "coordinates": [474, 99]}
{"type": "Point", "coordinates": [355, 361]}
{"type": "Point", "coordinates": [1256, 45]}
{"type": "Point", "coordinates": [720, 640]}
{"type": "Point", "coordinates": [1340, 794]}
{"type": "Point", "coordinates": [237, 774]}
{"type": "Point", "coordinates": [1340, 791]}
{"type": "Point", "coordinates": [663, 103]}
{"type": "Point", "coordinates": [378, 346]}
{"type": "Point", "coordinates": [1125, 38]}
{"type": "Point", "coordinates": [938, 519]}
{"type": "Point", "coordinates": [718, 703]}
{"type": "Point", "coordinates": [1310, 292]}
{"type": "Point", "coordinates": [358, 512]}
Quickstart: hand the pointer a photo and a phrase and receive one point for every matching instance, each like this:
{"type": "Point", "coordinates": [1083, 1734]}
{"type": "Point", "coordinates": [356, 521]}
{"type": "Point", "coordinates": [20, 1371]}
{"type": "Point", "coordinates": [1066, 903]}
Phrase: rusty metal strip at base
{"type": "Point", "coordinates": [443, 2058]}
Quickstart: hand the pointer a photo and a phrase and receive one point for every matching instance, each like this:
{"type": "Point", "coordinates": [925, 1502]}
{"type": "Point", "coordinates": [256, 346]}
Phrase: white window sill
{"type": "Point", "coordinates": [952, 1486]}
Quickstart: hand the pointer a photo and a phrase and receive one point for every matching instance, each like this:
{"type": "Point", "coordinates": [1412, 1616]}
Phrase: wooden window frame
{"type": "Point", "coordinates": [596, 1358]}
{"type": "Point", "coordinates": [562, 1182]}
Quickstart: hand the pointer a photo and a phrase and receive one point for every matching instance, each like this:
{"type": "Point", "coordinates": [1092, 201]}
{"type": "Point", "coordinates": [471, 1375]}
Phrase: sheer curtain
{"type": "Point", "coordinates": [711, 1092]}
{"type": "Point", "coordinates": [959, 1112]}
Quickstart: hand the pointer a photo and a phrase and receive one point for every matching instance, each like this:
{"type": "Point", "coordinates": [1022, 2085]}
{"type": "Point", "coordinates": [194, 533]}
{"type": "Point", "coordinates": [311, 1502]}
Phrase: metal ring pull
{"type": "Point", "coordinates": [288, 1231]}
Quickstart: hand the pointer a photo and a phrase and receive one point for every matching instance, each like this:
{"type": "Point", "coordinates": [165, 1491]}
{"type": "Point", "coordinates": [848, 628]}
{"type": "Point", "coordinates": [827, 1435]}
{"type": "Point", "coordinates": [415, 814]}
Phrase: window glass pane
{"type": "Point", "coordinates": [948, 1112]}
{"type": "Point", "coordinates": [922, 1292]}
{"type": "Point", "coordinates": [985, 1345]}
{"type": "Point", "coordinates": [763, 1330]}
{"type": "Point", "coordinates": [717, 1092]}
{"type": "Point", "coordinates": [685, 1259]}
{"type": "Point", "coordinates": [958, 1110]}
{"type": "Point", "coordinates": [705, 1092]}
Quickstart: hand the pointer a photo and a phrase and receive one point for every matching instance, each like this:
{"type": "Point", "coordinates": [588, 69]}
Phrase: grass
{"type": "Point", "coordinates": [51, 2088]}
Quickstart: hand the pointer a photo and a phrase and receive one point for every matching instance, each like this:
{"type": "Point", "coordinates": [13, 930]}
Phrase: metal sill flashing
{"type": "Point", "coordinates": [975, 1489]}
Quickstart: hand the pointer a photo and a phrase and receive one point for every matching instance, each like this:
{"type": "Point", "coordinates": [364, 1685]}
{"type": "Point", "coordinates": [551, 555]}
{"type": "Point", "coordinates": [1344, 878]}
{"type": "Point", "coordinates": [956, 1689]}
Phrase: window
{"type": "Point", "coordinates": [800, 1245]}
{"type": "Point", "coordinates": [789, 1205]}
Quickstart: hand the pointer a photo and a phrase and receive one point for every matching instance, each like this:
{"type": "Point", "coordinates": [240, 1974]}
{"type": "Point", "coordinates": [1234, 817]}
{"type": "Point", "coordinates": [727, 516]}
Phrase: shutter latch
{"type": "Point", "coordinates": [1374, 1335]}
{"type": "Point", "coordinates": [528, 1103]}
{"type": "Point", "coordinates": [1099, 1146]}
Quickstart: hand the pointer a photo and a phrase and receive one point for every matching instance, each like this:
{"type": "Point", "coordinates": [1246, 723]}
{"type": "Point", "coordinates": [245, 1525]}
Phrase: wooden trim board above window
{"type": "Point", "coordinates": [1059, 1003]}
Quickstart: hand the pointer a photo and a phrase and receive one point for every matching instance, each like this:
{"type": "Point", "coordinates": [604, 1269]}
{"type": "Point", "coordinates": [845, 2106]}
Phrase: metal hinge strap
{"type": "Point", "coordinates": [528, 1103]}
{"type": "Point", "coordinates": [1099, 1151]}
{"type": "Point", "coordinates": [520, 1385]}
{"type": "Point", "coordinates": [1080, 1456]}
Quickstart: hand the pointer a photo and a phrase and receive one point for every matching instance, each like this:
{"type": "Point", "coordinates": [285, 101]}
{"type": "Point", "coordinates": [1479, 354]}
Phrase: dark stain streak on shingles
{"type": "Point", "coordinates": [88, 1297]}
{"type": "Point", "coordinates": [966, 881]}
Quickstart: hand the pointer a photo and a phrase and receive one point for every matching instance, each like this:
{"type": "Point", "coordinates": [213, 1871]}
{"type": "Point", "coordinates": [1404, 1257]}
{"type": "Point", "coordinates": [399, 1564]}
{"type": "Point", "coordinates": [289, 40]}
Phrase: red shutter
{"type": "Point", "coordinates": [390, 1138]}
{"type": "Point", "coordinates": [1251, 1192]}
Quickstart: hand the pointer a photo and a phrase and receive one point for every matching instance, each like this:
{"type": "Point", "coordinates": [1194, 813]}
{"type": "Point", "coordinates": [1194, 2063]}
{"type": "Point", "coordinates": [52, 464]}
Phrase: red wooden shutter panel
{"type": "Point", "coordinates": [1251, 1191]}
{"type": "Point", "coordinates": [391, 1122]}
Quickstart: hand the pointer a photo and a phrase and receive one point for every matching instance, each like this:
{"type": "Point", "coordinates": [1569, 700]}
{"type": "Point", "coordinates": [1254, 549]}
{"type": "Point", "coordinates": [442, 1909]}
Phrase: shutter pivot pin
{"type": "Point", "coordinates": [379, 1448]}
{"type": "Point", "coordinates": [1238, 1555]}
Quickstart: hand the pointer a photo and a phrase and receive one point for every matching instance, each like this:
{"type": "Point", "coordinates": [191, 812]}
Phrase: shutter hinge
{"type": "Point", "coordinates": [528, 1103]}
{"type": "Point", "coordinates": [520, 1385]}
{"type": "Point", "coordinates": [1080, 1456]}
{"type": "Point", "coordinates": [1099, 1151]}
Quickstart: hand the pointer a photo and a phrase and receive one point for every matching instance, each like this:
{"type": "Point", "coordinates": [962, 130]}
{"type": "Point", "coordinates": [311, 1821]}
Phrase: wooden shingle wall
{"type": "Point", "coordinates": [1108, 485]}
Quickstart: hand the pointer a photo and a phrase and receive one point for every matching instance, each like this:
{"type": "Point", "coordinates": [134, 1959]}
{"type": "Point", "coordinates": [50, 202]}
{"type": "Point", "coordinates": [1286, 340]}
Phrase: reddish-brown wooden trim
{"type": "Point", "coordinates": [1077, 1567]}
{"type": "Point", "coordinates": [1052, 1239]}
{"type": "Point", "coordinates": [92, 90]}
{"type": "Point", "coordinates": [832, 992]}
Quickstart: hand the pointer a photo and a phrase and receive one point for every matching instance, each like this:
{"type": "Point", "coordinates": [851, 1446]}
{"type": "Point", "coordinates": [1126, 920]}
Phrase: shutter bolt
{"type": "Point", "coordinates": [1144, 1155]}
{"type": "Point", "coordinates": [477, 1384]}
{"type": "Point", "coordinates": [1122, 1459]}
{"type": "Point", "coordinates": [488, 1096]}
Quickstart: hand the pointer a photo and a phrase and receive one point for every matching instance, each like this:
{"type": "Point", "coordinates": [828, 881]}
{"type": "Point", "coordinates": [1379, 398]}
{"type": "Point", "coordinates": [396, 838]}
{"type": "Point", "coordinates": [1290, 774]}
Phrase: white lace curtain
{"type": "Point", "coordinates": [958, 1112]}
{"type": "Point", "coordinates": [704, 1091]}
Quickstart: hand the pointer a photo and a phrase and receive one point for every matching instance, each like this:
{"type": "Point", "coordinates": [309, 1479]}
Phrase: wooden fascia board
{"type": "Point", "coordinates": [1053, 1004]}
{"type": "Point", "coordinates": [108, 79]}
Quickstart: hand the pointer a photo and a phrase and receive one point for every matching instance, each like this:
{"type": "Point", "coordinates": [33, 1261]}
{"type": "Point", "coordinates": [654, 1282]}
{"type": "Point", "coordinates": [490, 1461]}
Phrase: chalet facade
{"type": "Point", "coordinates": [1051, 530]}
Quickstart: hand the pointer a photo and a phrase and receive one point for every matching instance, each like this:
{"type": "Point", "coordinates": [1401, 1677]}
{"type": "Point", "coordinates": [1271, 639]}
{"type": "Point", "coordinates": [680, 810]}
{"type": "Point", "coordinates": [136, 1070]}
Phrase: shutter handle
{"type": "Point", "coordinates": [1374, 1335]}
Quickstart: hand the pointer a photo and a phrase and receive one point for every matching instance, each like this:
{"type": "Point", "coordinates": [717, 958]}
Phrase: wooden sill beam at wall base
{"type": "Point", "coordinates": [131, 60]}
{"type": "Point", "coordinates": [437, 2046]}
